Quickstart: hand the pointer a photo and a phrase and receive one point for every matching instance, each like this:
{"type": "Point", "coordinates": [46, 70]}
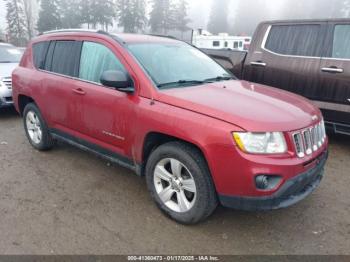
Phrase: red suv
{"type": "Point", "coordinates": [170, 113]}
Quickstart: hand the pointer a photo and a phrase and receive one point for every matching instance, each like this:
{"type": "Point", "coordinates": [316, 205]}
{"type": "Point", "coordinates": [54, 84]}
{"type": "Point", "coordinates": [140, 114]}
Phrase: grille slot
{"type": "Point", "coordinates": [323, 128]}
{"type": "Point", "coordinates": [319, 133]}
{"type": "Point", "coordinates": [314, 138]}
{"type": "Point", "coordinates": [309, 140]}
{"type": "Point", "coordinates": [298, 141]}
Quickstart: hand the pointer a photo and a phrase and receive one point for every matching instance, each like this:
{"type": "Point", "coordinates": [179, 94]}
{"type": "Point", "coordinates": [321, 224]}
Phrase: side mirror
{"type": "Point", "coordinates": [118, 80]}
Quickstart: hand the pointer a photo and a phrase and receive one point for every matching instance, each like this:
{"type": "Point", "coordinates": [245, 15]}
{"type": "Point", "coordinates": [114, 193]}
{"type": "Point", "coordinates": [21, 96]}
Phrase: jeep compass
{"type": "Point", "coordinates": [167, 111]}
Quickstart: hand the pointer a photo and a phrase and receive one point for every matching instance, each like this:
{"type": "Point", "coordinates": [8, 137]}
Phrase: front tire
{"type": "Point", "coordinates": [36, 129]}
{"type": "Point", "coordinates": [180, 183]}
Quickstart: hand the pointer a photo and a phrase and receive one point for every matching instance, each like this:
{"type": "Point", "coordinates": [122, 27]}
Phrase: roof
{"type": "Point", "coordinates": [300, 21]}
{"type": "Point", "coordinates": [140, 38]}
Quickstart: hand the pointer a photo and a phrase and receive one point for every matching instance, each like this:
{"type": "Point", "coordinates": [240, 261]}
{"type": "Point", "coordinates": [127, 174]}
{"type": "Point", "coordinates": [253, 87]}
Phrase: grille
{"type": "Point", "coordinates": [8, 82]}
{"type": "Point", "coordinates": [309, 140]}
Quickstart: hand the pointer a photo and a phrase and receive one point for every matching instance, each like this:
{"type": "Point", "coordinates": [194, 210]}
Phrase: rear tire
{"type": "Point", "coordinates": [180, 183]}
{"type": "Point", "coordinates": [36, 129]}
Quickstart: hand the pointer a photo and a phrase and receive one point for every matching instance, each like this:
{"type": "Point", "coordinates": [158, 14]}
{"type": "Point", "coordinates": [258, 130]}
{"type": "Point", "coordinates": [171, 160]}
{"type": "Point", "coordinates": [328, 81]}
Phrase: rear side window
{"type": "Point", "coordinates": [341, 42]}
{"type": "Point", "coordinates": [297, 40]}
{"type": "Point", "coordinates": [39, 54]}
{"type": "Point", "coordinates": [96, 59]}
{"type": "Point", "coordinates": [65, 59]}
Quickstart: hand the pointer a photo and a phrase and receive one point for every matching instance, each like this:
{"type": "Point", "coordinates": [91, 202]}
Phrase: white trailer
{"type": "Point", "coordinates": [204, 39]}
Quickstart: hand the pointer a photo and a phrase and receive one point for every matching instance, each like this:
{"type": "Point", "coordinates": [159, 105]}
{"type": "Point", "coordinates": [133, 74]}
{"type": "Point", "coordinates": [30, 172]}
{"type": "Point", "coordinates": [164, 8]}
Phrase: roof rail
{"type": "Point", "coordinates": [73, 30]}
{"type": "Point", "coordinates": [164, 36]}
{"type": "Point", "coordinates": [115, 37]}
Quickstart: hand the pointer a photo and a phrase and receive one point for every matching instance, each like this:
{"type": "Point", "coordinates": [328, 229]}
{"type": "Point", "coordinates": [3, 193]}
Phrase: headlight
{"type": "Point", "coordinates": [261, 143]}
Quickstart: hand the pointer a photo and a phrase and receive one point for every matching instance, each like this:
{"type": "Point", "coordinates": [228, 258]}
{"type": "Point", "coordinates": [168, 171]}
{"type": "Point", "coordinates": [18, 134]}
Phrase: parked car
{"type": "Point", "coordinates": [172, 114]}
{"type": "Point", "coordinates": [9, 59]}
{"type": "Point", "coordinates": [307, 57]}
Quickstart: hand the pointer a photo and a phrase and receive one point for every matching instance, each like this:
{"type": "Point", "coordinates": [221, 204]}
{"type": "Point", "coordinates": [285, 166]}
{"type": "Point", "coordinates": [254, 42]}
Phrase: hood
{"type": "Point", "coordinates": [252, 107]}
{"type": "Point", "coordinates": [6, 69]}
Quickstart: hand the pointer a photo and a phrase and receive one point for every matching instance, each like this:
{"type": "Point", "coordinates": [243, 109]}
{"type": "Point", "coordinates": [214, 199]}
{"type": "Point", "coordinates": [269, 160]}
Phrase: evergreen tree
{"type": "Point", "coordinates": [29, 17]}
{"type": "Point", "coordinates": [181, 17]}
{"type": "Point", "coordinates": [218, 22]}
{"type": "Point", "coordinates": [105, 12]}
{"type": "Point", "coordinates": [16, 22]}
{"type": "Point", "coordinates": [240, 25]}
{"type": "Point", "coordinates": [49, 18]}
{"type": "Point", "coordinates": [70, 13]}
{"type": "Point", "coordinates": [98, 12]}
{"type": "Point", "coordinates": [86, 12]}
{"type": "Point", "coordinates": [132, 15]}
{"type": "Point", "coordinates": [162, 16]}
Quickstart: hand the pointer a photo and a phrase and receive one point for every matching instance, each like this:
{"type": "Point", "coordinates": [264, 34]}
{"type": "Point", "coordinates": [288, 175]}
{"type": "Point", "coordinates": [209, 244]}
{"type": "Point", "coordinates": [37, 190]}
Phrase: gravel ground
{"type": "Point", "coordinates": [69, 202]}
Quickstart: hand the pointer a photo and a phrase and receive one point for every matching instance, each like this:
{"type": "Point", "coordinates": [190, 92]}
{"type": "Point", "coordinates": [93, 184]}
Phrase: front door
{"type": "Point", "coordinates": [107, 115]}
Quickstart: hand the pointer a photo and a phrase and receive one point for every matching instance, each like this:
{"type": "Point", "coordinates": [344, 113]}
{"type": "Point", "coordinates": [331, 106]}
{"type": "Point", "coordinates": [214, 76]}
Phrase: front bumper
{"type": "Point", "coordinates": [293, 191]}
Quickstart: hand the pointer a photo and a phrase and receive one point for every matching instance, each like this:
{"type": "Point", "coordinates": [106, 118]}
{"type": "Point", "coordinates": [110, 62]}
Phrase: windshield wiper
{"type": "Point", "coordinates": [182, 82]}
{"type": "Point", "coordinates": [195, 82]}
{"type": "Point", "coordinates": [218, 78]}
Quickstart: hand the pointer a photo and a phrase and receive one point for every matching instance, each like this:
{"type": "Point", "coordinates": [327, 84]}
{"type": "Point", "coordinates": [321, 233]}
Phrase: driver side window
{"type": "Point", "coordinates": [96, 59]}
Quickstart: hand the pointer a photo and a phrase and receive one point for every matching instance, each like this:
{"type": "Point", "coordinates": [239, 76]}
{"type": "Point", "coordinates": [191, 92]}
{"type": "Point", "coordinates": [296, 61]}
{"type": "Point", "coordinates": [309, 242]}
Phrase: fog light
{"type": "Point", "coordinates": [267, 182]}
{"type": "Point", "coordinates": [262, 182]}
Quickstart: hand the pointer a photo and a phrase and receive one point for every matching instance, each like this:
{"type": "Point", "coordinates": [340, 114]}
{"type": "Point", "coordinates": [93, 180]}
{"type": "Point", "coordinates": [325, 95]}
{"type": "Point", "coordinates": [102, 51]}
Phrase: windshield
{"type": "Point", "coordinates": [10, 55]}
{"type": "Point", "coordinates": [177, 64]}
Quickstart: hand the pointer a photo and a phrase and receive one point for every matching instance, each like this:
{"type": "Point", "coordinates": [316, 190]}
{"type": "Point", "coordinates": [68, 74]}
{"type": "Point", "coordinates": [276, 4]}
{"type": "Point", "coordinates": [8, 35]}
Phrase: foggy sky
{"type": "Point", "coordinates": [200, 11]}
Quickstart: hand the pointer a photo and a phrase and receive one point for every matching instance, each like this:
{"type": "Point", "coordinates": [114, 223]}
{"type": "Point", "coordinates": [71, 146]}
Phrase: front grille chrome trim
{"type": "Point", "coordinates": [309, 140]}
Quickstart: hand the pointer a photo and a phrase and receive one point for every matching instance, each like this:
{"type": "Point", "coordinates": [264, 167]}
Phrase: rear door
{"type": "Point", "coordinates": [58, 92]}
{"type": "Point", "coordinates": [335, 74]}
{"type": "Point", "coordinates": [287, 56]}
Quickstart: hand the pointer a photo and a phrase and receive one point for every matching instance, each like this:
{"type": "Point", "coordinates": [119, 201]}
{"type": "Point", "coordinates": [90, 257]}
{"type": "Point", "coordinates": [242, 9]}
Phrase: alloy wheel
{"type": "Point", "coordinates": [175, 185]}
{"type": "Point", "coordinates": [34, 127]}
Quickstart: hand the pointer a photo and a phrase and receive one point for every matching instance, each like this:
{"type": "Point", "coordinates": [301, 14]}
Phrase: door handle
{"type": "Point", "coordinates": [258, 63]}
{"type": "Point", "coordinates": [332, 70]}
{"type": "Point", "coordinates": [79, 91]}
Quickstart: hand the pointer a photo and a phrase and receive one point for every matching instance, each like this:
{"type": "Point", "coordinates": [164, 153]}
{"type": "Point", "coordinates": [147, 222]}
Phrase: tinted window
{"type": "Point", "coordinates": [49, 55]}
{"type": "Point", "coordinates": [95, 59]}
{"type": "Point", "coordinates": [341, 41]}
{"type": "Point", "coordinates": [39, 54]}
{"type": "Point", "coordinates": [235, 45]}
{"type": "Point", "coordinates": [216, 43]}
{"type": "Point", "coordinates": [65, 58]}
{"type": "Point", "coordinates": [299, 40]}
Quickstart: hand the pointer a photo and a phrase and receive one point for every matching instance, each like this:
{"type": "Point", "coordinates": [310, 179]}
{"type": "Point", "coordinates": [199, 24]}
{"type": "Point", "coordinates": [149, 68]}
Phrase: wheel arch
{"type": "Point", "coordinates": [153, 140]}
{"type": "Point", "coordinates": [24, 100]}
